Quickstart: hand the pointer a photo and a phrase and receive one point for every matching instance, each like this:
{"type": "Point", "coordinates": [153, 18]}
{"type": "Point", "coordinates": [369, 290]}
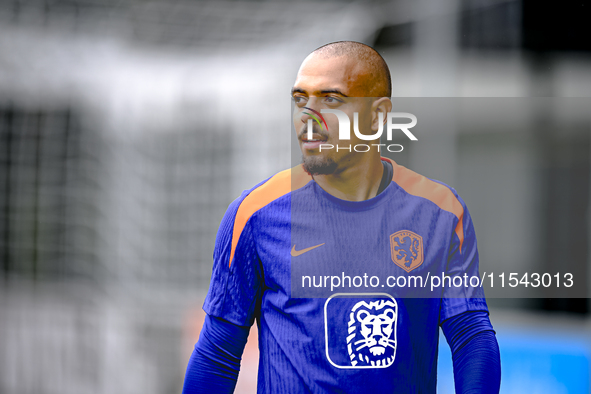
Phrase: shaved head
{"type": "Point", "coordinates": [349, 77]}
{"type": "Point", "coordinates": [365, 56]}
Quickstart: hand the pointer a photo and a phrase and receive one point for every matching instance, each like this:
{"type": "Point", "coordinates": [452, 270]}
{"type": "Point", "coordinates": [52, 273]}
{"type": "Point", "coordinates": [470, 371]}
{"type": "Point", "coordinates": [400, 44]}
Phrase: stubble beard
{"type": "Point", "coordinates": [318, 165]}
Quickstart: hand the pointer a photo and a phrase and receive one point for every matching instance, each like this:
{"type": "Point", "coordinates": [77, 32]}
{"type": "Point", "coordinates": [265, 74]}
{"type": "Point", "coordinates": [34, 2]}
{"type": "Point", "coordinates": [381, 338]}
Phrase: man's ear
{"type": "Point", "coordinates": [382, 105]}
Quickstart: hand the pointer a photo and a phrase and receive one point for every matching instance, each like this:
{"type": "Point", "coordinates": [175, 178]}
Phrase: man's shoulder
{"type": "Point", "coordinates": [271, 189]}
{"type": "Point", "coordinates": [417, 185]}
{"type": "Point", "coordinates": [266, 192]}
{"type": "Point", "coordinates": [435, 192]}
{"type": "Point", "coordinates": [261, 195]}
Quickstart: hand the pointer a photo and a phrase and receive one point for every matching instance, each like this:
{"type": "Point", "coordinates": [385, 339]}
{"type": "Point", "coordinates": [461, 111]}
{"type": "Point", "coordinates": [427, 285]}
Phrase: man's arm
{"type": "Point", "coordinates": [231, 305]}
{"type": "Point", "coordinates": [475, 353]}
{"type": "Point", "coordinates": [464, 316]}
{"type": "Point", "coordinates": [215, 362]}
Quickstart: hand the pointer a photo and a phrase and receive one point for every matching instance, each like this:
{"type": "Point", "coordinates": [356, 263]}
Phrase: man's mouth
{"type": "Point", "coordinates": [314, 142]}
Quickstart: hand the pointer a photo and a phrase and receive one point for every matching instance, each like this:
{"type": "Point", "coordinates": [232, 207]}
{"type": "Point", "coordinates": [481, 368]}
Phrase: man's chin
{"type": "Point", "coordinates": [318, 165]}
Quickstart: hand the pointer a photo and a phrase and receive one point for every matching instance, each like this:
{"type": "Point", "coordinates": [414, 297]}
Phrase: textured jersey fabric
{"type": "Point", "coordinates": [214, 364]}
{"type": "Point", "coordinates": [475, 353]}
{"type": "Point", "coordinates": [215, 361]}
{"type": "Point", "coordinates": [321, 343]}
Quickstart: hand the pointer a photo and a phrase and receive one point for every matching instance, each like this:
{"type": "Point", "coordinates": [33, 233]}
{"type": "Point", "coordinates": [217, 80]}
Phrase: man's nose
{"type": "Point", "coordinates": [306, 115]}
{"type": "Point", "coordinates": [312, 105]}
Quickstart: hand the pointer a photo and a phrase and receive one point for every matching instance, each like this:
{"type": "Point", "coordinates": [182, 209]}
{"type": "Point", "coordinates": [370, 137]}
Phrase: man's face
{"type": "Point", "coordinates": [330, 83]}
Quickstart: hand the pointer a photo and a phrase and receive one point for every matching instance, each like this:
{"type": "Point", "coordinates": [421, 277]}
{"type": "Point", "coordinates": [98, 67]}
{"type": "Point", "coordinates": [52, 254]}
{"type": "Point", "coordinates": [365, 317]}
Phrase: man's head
{"type": "Point", "coordinates": [373, 79]}
{"type": "Point", "coordinates": [348, 76]}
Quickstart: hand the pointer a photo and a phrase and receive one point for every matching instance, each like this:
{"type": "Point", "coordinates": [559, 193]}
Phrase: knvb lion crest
{"type": "Point", "coordinates": [407, 249]}
{"type": "Point", "coordinates": [372, 329]}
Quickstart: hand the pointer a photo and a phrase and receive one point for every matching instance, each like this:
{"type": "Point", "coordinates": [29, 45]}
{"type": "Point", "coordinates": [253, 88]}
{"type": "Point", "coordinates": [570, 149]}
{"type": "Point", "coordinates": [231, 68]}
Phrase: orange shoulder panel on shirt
{"type": "Point", "coordinates": [421, 186]}
{"type": "Point", "coordinates": [279, 185]}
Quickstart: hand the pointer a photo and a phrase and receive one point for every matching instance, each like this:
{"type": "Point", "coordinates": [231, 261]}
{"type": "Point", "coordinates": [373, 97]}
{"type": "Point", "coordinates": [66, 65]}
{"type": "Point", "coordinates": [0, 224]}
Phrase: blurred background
{"type": "Point", "coordinates": [128, 126]}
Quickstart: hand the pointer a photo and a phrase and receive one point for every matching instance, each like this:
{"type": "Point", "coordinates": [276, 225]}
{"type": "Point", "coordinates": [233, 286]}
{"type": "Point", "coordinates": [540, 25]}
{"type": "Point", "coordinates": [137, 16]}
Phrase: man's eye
{"type": "Point", "coordinates": [299, 99]}
{"type": "Point", "coordinates": [332, 100]}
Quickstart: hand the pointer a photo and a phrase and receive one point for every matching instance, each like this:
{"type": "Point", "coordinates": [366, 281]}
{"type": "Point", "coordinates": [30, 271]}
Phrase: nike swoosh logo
{"type": "Point", "coordinates": [296, 253]}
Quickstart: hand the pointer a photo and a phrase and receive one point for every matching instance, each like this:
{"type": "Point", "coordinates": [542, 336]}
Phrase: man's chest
{"type": "Point", "coordinates": [315, 252]}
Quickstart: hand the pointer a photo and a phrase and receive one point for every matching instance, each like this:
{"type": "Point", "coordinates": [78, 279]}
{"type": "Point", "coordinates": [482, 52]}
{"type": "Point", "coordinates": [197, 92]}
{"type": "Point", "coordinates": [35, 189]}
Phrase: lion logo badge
{"type": "Point", "coordinates": [407, 249]}
{"type": "Point", "coordinates": [360, 330]}
{"type": "Point", "coordinates": [372, 328]}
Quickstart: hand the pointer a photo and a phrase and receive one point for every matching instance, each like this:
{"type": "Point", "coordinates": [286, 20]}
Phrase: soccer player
{"type": "Point", "coordinates": [347, 212]}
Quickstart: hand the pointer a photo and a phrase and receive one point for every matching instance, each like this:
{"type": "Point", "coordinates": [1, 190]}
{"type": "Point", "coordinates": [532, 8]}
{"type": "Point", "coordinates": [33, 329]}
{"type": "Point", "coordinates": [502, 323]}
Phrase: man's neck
{"type": "Point", "coordinates": [357, 182]}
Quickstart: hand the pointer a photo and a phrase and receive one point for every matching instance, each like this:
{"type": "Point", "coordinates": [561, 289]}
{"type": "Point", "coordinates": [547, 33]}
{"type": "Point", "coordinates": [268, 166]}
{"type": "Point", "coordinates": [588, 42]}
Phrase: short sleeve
{"type": "Point", "coordinates": [462, 262]}
{"type": "Point", "coordinates": [236, 286]}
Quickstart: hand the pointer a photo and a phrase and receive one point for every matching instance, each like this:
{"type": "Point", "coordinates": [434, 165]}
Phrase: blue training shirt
{"type": "Point", "coordinates": [283, 243]}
